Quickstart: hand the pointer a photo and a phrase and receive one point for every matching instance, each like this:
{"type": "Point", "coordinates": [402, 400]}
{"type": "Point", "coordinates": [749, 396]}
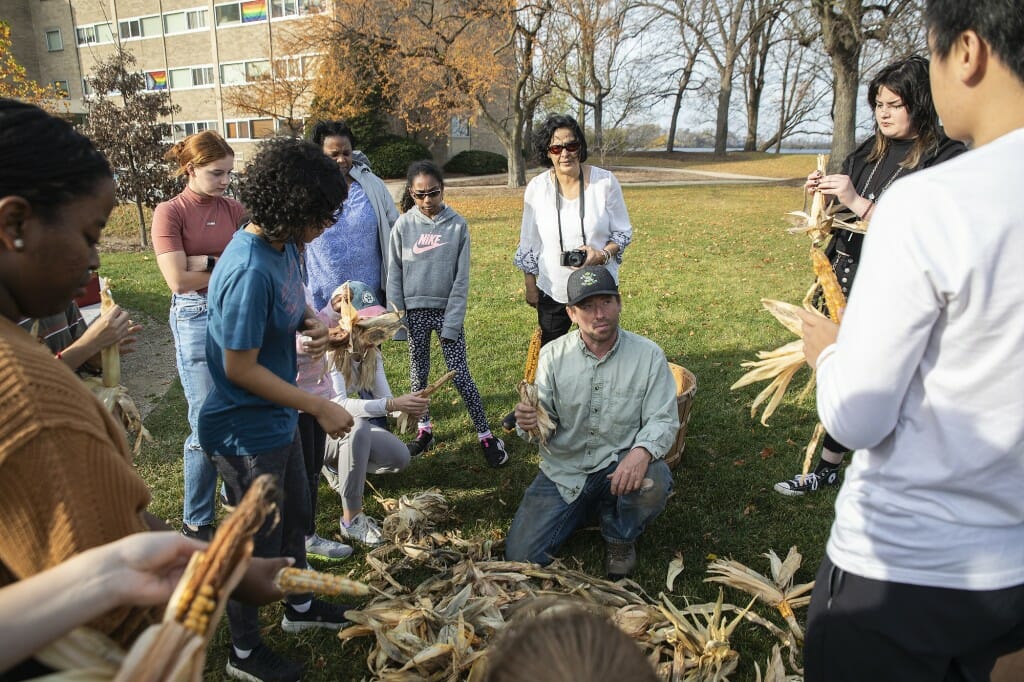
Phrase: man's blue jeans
{"type": "Point", "coordinates": [188, 325]}
{"type": "Point", "coordinates": [544, 520]}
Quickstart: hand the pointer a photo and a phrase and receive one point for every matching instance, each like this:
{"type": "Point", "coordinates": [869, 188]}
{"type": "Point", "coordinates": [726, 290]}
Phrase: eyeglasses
{"type": "Point", "coordinates": [429, 193]}
{"type": "Point", "coordinates": [571, 147]}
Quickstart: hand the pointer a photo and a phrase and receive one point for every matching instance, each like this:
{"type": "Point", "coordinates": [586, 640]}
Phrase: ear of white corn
{"type": "Point", "coordinates": [110, 356]}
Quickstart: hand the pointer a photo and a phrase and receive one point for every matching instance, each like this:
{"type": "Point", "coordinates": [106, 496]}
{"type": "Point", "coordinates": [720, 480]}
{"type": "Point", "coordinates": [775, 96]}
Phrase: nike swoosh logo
{"type": "Point", "coordinates": [417, 249]}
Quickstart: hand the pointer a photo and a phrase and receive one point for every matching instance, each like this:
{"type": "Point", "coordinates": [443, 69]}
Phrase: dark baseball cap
{"type": "Point", "coordinates": [590, 280]}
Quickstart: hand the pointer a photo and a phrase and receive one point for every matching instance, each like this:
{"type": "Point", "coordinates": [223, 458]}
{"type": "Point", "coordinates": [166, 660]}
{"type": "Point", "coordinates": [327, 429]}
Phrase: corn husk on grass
{"type": "Point", "coordinates": [176, 648]}
{"type": "Point", "coordinates": [775, 670]}
{"type": "Point", "coordinates": [108, 386]}
{"type": "Point", "coordinates": [777, 590]}
{"type": "Point", "coordinates": [406, 420]}
{"type": "Point", "coordinates": [528, 392]}
{"type": "Point", "coordinates": [702, 652]}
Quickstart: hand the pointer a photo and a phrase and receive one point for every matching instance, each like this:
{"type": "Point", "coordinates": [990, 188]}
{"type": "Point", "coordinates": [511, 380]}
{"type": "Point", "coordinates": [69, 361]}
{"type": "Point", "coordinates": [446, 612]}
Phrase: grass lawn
{"type": "Point", "coordinates": [701, 259]}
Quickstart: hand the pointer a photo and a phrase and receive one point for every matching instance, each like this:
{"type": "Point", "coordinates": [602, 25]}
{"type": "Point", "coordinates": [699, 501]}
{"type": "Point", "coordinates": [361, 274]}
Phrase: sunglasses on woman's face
{"type": "Point", "coordinates": [571, 147]}
{"type": "Point", "coordinates": [429, 193]}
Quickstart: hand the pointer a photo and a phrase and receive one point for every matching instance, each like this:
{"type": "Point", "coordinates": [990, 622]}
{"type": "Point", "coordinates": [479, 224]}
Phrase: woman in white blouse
{"type": "Point", "coordinates": [573, 215]}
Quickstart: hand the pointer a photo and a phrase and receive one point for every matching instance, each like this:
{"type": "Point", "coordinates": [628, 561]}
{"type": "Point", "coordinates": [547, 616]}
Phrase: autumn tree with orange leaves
{"type": "Point", "coordinates": [16, 84]}
{"type": "Point", "coordinates": [430, 60]}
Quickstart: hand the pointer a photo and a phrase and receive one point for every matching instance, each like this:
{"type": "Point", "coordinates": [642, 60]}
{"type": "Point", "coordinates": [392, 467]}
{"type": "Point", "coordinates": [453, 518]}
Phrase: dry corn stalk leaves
{"type": "Point", "coordinates": [111, 355]}
{"type": "Point", "coordinates": [818, 222]}
{"type": "Point", "coordinates": [440, 628]}
{"type": "Point", "coordinates": [176, 648]}
{"type": "Point", "coordinates": [545, 425]}
{"type": "Point", "coordinates": [406, 420]}
{"type": "Point", "coordinates": [777, 591]}
{"type": "Point", "coordinates": [675, 567]}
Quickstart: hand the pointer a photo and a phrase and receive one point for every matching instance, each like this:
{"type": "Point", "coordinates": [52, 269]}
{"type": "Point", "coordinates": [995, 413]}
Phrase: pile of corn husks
{"type": "Point", "coordinates": [440, 629]}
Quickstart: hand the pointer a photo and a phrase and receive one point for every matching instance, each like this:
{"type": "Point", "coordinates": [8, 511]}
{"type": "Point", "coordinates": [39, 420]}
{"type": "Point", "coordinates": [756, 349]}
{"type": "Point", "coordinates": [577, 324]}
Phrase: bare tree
{"type": "Point", "coordinates": [766, 18]}
{"type": "Point", "coordinates": [124, 122]}
{"type": "Point", "coordinates": [803, 83]}
{"type": "Point", "coordinates": [689, 19]}
{"type": "Point", "coordinates": [846, 27]}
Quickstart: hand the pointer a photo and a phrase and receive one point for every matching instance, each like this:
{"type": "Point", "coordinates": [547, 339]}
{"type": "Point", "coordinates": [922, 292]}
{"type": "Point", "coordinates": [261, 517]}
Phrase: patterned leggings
{"type": "Point", "coordinates": [421, 322]}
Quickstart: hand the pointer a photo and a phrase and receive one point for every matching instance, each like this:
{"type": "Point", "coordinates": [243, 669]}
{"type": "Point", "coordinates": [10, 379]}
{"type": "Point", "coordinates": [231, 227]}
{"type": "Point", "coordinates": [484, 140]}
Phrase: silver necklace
{"type": "Point", "coordinates": [871, 175]}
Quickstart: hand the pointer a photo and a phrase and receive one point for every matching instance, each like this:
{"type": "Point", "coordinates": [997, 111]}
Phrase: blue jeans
{"type": "Point", "coordinates": [188, 325]}
{"type": "Point", "coordinates": [280, 535]}
{"type": "Point", "coordinates": [544, 520]}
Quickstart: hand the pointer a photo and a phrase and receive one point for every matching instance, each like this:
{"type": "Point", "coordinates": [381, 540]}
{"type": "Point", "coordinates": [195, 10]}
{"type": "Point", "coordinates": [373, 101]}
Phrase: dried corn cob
{"type": "Point", "coordinates": [835, 301]}
{"type": "Point", "coordinates": [298, 581]}
{"type": "Point", "coordinates": [405, 420]}
{"type": "Point", "coordinates": [818, 223]}
{"type": "Point", "coordinates": [111, 355]}
{"type": "Point", "coordinates": [532, 357]}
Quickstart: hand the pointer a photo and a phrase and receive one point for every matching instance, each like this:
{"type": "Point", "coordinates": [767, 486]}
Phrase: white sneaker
{"type": "Point", "coordinates": [364, 530]}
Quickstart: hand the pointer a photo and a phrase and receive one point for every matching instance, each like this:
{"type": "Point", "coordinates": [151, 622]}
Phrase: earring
{"type": "Point", "coordinates": [19, 244]}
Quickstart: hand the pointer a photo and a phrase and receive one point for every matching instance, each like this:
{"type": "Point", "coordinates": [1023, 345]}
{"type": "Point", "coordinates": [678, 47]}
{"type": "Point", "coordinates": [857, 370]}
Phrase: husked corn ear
{"type": "Point", "coordinates": [532, 357]}
{"type": "Point", "coordinates": [298, 580]}
{"type": "Point", "coordinates": [110, 357]}
{"type": "Point", "coordinates": [834, 298]}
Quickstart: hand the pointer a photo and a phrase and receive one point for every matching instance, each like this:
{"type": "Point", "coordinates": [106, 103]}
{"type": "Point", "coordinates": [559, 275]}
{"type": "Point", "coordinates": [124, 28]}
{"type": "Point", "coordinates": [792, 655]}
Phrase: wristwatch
{"type": "Point", "coordinates": [210, 262]}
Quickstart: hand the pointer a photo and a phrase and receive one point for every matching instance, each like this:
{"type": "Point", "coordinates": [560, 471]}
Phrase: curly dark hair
{"type": "Point", "coordinates": [542, 137]}
{"type": "Point", "coordinates": [416, 169]}
{"type": "Point", "coordinates": [908, 78]}
{"type": "Point", "coordinates": [290, 186]}
{"type": "Point", "coordinates": [324, 129]}
{"type": "Point", "coordinates": [46, 161]}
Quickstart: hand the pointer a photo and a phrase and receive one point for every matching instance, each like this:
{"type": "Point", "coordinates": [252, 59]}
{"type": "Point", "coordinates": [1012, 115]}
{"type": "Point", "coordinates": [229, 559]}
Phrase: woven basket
{"type": "Point", "coordinates": [686, 388]}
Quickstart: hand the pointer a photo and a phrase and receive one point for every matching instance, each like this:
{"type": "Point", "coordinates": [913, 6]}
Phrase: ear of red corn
{"type": "Point", "coordinates": [532, 357]}
{"type": "Point", "coordinates": [833, 293]}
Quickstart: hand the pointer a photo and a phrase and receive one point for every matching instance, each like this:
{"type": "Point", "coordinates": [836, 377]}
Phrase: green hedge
{"type": "Point", "coordinates": [392, 159]}
{"type": "Point", "coordinates": [477, 162]}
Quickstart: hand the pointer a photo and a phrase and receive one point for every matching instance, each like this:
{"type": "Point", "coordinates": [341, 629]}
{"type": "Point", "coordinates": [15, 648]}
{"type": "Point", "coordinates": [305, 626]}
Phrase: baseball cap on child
{"type": "Point", "coordinates": [590, 280]}
{"type": "Point", "coordinates": [362, 297]}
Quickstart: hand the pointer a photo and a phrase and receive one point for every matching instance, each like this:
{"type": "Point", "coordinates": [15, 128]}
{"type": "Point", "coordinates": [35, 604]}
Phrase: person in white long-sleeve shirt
{"type": "Point", "coordinates": [924, 574]}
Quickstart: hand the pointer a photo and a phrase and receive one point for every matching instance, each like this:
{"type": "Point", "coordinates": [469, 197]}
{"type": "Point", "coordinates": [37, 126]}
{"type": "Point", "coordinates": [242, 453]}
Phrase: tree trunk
{"type": "Point", "coordinates": [722, 124]}
{"type": "Point", "coordinates": [676, 106]}
{"type": "Point", "coordinates": [142, 223]}
{"type": "Point", "coordinates": [516, 163]}
{"type": "Point", "coordinates": [598, 119]}
{"type": "Point", "coordinates": [845, 73]}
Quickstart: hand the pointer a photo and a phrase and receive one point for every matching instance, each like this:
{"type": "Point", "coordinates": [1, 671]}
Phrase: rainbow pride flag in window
{"type": "Point", "coordinates": [156, 80]}
{"type": "Point", "coordinates": [254, 10]}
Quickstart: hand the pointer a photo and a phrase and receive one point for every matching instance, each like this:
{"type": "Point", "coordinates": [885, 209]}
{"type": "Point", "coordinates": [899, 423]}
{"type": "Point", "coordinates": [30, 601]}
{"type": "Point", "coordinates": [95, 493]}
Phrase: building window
{"type": "Point", "coordinates": [144, 27]}
{"type": "Point", "coordinates": [248, 130]}
{"type": "Point", "coordinates": [460, 127]}
{"type": "Point", "coordinates": [61, 88]}
{"type": "Point", "coordinates": [240, 73]}
{"type": "Point", "coordinates": [294, 67]}
{"type": "Point", "coordinates": [180, 22]}
{"type": "Point", "coordinates": [54, 41]}
{"type": "Point", "coordinates": [241, 12]}
{"type": "Point", "coordinates": [156, 80]}
{"type": "Point", "coordinates": [95, 33]}
{"type": "Point", "coordinates": [180, 131]}
{"type": "Point", "coordinates": [190, 77]}
{"type": "Point", "coordinates": [295, 8]}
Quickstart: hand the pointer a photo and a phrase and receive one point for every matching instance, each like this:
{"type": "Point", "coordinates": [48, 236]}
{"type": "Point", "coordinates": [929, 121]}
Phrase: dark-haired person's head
{"type": "Point", "coordinates": [424, 187]}
{"type": "Point", "coordinates": [336, 141]}
{"type": "Point", "coordinates": [977, 67]}
{"type": "Point", "coordinates": [1000, 23]}
{"type": "Point", "coordinates": [56, 193]}
{"type": "Point", "coordinates": [543, 138]}
{"type": "Point", "coordinates": [292, 190]}
{"type": "Point", "coordinates": [901, 99]}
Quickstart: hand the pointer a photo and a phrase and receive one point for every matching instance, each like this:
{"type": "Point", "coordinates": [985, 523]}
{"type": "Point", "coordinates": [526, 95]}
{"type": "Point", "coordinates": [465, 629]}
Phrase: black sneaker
{"type": "Point", "coordinates": [494, 451]}
{"type": "Point", "coordinates": [801, 485]}
{"type": "Point", "coordinates": [204, 533]}
{"type": "Point", "coordinates": [509, 422]}
{"type": "Point", "coordinates": [424, 441]}
{"type": "Point", "coordinates": [262, 665]}
{"type": "Point", "coordinates": [321, 614]}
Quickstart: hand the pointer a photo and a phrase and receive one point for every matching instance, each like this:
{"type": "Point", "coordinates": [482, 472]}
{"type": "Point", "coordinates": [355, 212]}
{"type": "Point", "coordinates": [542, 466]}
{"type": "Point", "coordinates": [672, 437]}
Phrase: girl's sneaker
{"type": "Point", "coordinates": [424, 441]}
{"type": "Point", "coordinates": [494, 451]}
{"type": "Point", "coordinates": [364, 530]}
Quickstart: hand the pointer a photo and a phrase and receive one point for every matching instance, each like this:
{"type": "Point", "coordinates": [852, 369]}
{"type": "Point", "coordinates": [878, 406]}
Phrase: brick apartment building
{"type": "Point", "coordinates": [196, 51]}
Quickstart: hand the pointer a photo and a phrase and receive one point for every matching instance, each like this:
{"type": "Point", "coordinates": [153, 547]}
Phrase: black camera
{"type": "Point", "coordinates": [575, 258]}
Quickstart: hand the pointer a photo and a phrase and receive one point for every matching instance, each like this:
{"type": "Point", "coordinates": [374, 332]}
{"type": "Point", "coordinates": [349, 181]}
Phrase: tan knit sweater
{"type": "Point", "coordinates": [66, 476]}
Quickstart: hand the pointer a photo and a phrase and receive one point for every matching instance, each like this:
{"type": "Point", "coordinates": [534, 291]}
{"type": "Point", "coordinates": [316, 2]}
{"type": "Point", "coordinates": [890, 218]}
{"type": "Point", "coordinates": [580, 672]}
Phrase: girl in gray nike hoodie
{"type": "Point", "coordinates": [428, 278]}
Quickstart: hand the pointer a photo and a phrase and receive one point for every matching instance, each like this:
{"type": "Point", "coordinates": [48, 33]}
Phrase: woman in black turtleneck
{"type": "Point", "coordinates": [907, 138]}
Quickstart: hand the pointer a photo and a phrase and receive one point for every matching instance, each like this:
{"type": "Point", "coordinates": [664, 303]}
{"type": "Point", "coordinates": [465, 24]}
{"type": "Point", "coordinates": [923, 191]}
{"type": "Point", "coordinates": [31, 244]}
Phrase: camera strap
{"type": "Point", "coordinates": [558, 210]}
